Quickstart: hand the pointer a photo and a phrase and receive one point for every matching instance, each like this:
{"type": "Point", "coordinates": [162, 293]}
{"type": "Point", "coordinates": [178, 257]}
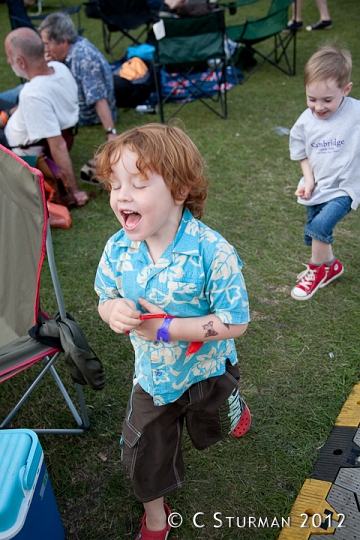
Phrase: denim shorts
{"type": "Point", "coordinates": [151, 435]}
{"type": "Point", "coordinates": [322, 219]}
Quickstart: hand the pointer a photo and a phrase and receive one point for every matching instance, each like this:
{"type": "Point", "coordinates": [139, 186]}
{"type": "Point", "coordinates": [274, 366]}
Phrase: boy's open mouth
{"type": "Point", "coordinates": [131, 219]}
{"type": "Point", "coordinates": [321, 113]}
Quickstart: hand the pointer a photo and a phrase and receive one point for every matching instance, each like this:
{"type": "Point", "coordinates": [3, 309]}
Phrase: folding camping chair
{"type": "Point", "coordinates": [189, 44]}
{"type": "Point", "coordinates": [40, 6]}
{"type": "Point", "coordinates": [25, 239]}
{"type": "Point", "coordinates": [124, 17]}
{"type": "Point", "coordinates": [255, 31]}
{"type": "Point", "coordinates": [19, 17]}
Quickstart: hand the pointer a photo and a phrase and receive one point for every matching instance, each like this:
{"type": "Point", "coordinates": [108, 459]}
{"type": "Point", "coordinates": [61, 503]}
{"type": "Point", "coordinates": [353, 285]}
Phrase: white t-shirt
{"type": "Point", "coordinates": [333, 149]}
{"type": "Point", "coordinates": [47, 105]}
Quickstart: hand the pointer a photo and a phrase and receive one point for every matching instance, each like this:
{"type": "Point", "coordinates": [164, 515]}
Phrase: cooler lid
{"type": "Point", "coordinates": [20, 455]}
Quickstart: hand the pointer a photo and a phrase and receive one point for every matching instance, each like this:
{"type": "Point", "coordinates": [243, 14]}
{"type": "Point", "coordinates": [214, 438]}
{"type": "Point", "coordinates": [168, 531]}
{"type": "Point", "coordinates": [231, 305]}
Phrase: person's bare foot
{"type": "Point", "coordinates": [81, 197]}
{"type": "Point", "coordinates": [91, 162]}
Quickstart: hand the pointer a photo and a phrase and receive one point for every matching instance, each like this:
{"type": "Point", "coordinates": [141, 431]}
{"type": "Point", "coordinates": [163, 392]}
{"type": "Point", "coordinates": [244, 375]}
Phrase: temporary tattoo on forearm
{"type": "Point", "coordinates": [227, 325]}
{"type": "Point", "coordinates": [209, 329]}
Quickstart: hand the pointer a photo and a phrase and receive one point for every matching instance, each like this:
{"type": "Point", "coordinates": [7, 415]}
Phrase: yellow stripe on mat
{"type": "Point", "coordinates": [309, 511]}
{"type": "Point", "coordinates": [350, 413]}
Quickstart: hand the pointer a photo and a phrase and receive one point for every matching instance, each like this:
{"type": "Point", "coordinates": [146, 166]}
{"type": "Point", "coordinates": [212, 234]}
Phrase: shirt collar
{"type": "Point", "coordinates": [187, 237]}
{"type": "Point", "coordinates": [70, 53]}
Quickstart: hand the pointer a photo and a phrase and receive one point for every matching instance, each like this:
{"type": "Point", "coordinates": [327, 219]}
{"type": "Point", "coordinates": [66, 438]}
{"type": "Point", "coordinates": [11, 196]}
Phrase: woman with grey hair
{"type": "Point", "coordinates": [59, 26]}
{"type": "Point", "coordinates": [89, 67]}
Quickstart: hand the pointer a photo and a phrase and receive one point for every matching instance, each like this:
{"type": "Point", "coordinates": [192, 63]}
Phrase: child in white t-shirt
{"type": "Point", "coordinates": [326, 140]}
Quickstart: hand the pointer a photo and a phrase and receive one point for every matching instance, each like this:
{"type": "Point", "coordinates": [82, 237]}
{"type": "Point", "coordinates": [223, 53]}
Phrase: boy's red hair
{"type": "Point", "coordinates": [163, 149]}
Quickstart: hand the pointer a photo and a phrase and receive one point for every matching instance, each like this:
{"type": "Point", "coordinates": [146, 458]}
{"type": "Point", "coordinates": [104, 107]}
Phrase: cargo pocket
{"type": "Point", "coordinates": [232, 373]}
{"type": "Point", "coordinates": [129, 442]}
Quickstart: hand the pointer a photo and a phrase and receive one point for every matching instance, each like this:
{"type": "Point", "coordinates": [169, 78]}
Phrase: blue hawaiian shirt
{"type": "Point", "coordinates": [200, 273]}
{"type": "Point", "coordinates": [94, 78]}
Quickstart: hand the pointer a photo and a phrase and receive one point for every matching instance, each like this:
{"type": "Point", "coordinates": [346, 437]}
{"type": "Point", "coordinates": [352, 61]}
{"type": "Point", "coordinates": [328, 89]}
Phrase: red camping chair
{"type": "Point", "coordinates": [25, 239]}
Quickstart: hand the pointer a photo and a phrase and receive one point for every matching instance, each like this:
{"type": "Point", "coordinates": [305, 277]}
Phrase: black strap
{"type": "Point", "coordinates": [43, 142]}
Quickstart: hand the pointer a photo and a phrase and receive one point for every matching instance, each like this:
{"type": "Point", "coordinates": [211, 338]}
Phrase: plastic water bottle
{"type": "Point", "coordinates": [145, 109]}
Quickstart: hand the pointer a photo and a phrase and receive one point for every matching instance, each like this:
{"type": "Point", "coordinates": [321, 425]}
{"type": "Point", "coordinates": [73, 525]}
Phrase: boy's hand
{"type": "Point", "coordinates": [148, 306]}
{"type": "Point", "coordinates": [149, 327]}
{"type": "Point", "coordinates": [121, 315]}
{"type": "Point", "coordinates": [300, 192]}
{"type": "Point", "coordinates": [305, 191]}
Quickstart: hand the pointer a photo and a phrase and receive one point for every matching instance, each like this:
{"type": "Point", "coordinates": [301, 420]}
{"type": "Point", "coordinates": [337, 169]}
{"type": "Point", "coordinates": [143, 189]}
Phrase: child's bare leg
{"type": "Point", "coordinates": [320, 252]}
{"type": "Point", "coordinates": [323, 10]}
{"type": "Point", "coordinates": [297, 14]}
{"type": "Point", "coordinates": [155, 515]}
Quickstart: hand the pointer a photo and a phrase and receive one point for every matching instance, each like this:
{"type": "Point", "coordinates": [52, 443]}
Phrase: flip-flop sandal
{"type": "Point", "coordinates": [243, 424]}
{"type": "Point", "coordinates": [87, 174]}
{"type": "Point", "coordinates": [91, 162]}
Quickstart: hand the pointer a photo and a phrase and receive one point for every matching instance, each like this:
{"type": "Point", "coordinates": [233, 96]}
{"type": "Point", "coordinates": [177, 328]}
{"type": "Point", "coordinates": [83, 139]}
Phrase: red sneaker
{"type": "Point", "coordinates": [243, 424]}
{"type": "Point", "coordinates": [333, 271]}
{"type": "Point", "coordinates": [309, 281]}
{"type": "Point", "coordinates": [146, 534]}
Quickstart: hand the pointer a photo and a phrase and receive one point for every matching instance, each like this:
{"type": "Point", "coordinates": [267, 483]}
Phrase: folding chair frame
{"type": "Point", "coordinates": [81, 419]}
{"type": "Point", "coordinates": [108, 30]}
{"type": "Point", "coordinates": [50, 354]}
{"type": "Point", "coordinates": [282, 41]}
{"type": "Point", "coordinates": [195, 88]}
{"type": "Point", "coordinates": [36, 18]}
{"type": "Point", "coordinates": [126, 17]}
{"type": "Point", "coordinates": [279, 52]}
{"type": "Point", "coordinates": [40, 6]}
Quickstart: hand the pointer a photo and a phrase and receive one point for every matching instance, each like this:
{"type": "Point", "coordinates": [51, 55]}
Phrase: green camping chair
{"type": "Point", "coordinates": [255, 31]}
{"type": "Point", "coordinates": [27, 335]}
{"type": "Point", "coordinates": [188, 46]}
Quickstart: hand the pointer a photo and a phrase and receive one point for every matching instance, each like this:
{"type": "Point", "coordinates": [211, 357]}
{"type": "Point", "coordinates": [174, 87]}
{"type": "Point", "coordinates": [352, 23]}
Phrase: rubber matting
{"type": "Point", "coordinates": [329, 501]}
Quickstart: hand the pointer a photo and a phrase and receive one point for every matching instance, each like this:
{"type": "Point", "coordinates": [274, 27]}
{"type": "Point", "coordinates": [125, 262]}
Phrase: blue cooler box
{"type": "Point", "coordinates": [28, 508]}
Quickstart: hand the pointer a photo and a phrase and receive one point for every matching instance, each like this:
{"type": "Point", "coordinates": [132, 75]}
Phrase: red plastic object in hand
{"type": "Point", "coordinates": [155, 316]}
{"type": "Point", "coordinates": [146, 316]}
{"type": "Point", "coordinates": [194, 347]}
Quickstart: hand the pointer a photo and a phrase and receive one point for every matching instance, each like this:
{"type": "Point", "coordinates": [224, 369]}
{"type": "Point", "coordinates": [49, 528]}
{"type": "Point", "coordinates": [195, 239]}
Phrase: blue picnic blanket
{"type": "Point", "coordinates": [179, 89]}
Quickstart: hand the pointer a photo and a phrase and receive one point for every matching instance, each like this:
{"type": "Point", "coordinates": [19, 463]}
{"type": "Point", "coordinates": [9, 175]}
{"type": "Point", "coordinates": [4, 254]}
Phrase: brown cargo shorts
{"type": "Point", "coordinates": [151, 436]}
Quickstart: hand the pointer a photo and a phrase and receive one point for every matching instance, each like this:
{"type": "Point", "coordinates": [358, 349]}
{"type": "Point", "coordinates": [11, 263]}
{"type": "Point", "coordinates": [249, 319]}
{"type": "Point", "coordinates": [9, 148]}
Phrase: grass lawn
{"type": "Point", "coordinates": [298, 361]}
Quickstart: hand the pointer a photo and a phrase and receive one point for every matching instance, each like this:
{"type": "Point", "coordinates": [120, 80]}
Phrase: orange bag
{"type": "Point", "coordinates": [59, 215]}
{"type": "Point", "coordinates": [133, 69]}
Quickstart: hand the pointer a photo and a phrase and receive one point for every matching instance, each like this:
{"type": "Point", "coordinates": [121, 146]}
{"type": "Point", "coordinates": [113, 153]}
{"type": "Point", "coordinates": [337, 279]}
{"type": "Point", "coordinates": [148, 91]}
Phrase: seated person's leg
{"type": "Point", "coordinates": [156, 5]}
{"type": "Point", "coordinates": [3, 139]}
{"type": "Point", "coordinates": [6, 105]}
{"type": "Point", "coordinates": [11, 96]}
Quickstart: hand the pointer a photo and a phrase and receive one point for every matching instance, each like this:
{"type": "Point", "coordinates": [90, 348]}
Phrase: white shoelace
{"type": "Point", "coordinates": [306, 277]}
